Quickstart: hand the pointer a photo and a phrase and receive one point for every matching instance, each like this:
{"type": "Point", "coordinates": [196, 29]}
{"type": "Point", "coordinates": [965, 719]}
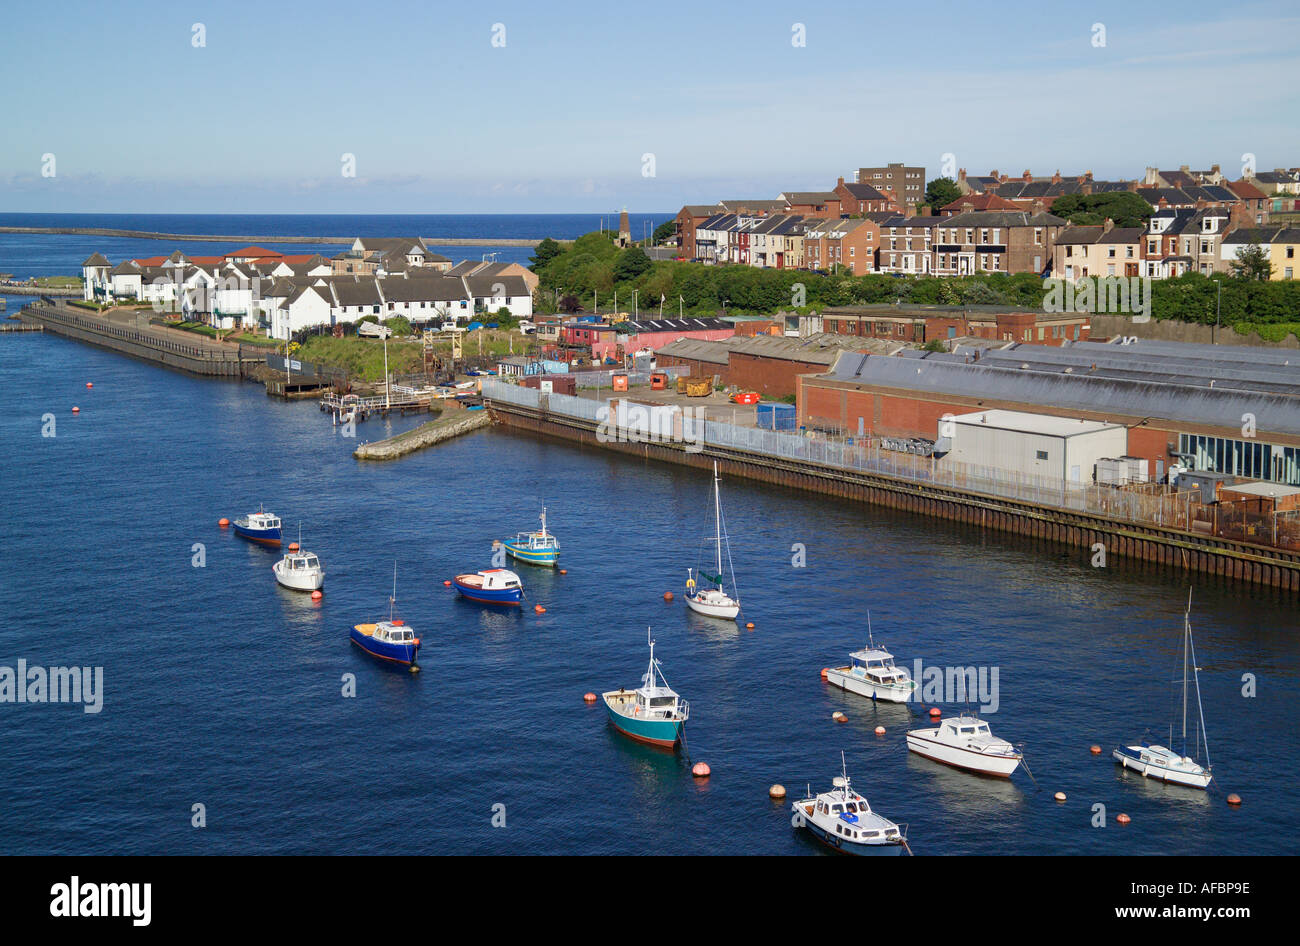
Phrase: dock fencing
{"type": "Point", "coordinates": [1151, 504]}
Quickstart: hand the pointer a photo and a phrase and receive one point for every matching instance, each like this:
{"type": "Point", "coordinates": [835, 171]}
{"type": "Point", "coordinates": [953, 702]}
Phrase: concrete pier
{"type": "Point", "coordinates": [426, 435]}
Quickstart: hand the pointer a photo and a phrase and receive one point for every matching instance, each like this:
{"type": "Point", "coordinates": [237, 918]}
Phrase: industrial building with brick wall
{"type": "Point", "coordinates": [925, 323]}
{"type": "Point", "coordinates": [1230, 410]}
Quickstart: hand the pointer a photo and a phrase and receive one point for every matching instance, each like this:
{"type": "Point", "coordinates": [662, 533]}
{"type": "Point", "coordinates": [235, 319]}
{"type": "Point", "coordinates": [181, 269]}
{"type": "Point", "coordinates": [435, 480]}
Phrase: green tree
{"type": "Point", "coordinates": [941, 191]}
{"type": "Point", "coordinates": [631, 263]}
{"type": "Point", "coordinates": [546, 251]}
{"type": "Point", "coordinates": [665, 230]}
{"type": "Point", "coordinates": [570, 304]}
{"type": "Point", "coordinates": [399, 324]}
{"type": "Point", "coordinates": [1252, 263]}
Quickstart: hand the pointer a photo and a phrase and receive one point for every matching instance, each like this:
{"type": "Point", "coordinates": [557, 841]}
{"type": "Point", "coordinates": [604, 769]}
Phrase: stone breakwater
{"type": "Point", "coordinates": [227, 238]}
{"type": "Point", "coordinates": [426, 435]}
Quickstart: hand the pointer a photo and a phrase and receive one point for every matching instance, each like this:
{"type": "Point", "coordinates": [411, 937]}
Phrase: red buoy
{"type": "Point", "coordinates": [89, 385]}
{"type": "Point", "coordinates": [1095, 750]}
{"type": "Point", "coordinates": [935, 712]}
{"type": "Point", "coordinates": [539, 609]}
{"type": "Point", "coordinates": [1234, 799]}
{"type": "Point", "coordinates": [589, 697]}
{"type": "Point", "coordinates": [316, 595]}
{"type": "Point", "coordinates": [76, 410]}
{"type": "Point", "coordinates": [823, 673]}
{"type": "Point", "coordinates": [668, 596]}
{"type": "Point", "coordinates": [749, 626]}
{"type": "Point", "coordinates": [564, 571]}
{"type": "Point", "coordinates": [1123, 818]}
{"type": "Point", "coordinates": [223, 522]}
{"type": "Point", "coordinates": [880, 730]}
{"type": "Point", "coordinates": [293, 546]}
{"type": "Point", "coordinates": [700, 770]}
{"type": "Point", "coordinates": [447, 582]}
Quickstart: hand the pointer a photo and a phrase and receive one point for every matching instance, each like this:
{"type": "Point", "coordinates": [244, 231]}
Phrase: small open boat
{"type": "Point", "coordinates": [535, 548]}
{"type": "Point", "coordinates": [842, 820]}
{"type": "Point", "coordinates": [1164, 764]}
{"type": "Point", "coordinates": [652, 713]}
{"type": "Point", "coordinates": [490, 586]}
{"type": "Point", "coordinates": [965, 742]}
{"type": "Point", "coordinates": [260, 526]}
{"type": "Point", "coordinates": [388, 640]}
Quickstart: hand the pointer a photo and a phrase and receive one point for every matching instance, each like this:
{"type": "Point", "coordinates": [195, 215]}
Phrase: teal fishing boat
{"type": "Point", "coordinates": [535, 548]}
{"type": "Point", "coordinates": [651, 713]}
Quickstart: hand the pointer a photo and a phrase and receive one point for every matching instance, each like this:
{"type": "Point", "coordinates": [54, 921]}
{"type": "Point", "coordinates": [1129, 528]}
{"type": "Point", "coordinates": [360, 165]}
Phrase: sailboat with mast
{"type": "Point", "coordinates": [1163, 763]}
{"type": "Point", "coordinates": [712, 599]}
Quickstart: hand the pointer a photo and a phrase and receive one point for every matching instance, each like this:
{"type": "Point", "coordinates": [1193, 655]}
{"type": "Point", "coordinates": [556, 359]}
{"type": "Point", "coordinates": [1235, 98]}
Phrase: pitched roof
{"type": "Point", "coordinates": [96, 259]}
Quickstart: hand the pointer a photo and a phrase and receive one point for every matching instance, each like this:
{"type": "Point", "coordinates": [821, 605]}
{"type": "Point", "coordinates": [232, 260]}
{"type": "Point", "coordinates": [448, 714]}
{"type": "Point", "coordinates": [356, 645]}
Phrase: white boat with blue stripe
{"type": "Point", "coordinates": [842, 820]}
{"type": "Point", "coordinates": [535, 548]}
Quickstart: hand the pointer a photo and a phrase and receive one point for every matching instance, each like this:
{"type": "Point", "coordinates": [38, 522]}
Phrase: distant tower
{"type": "Point", "coordinates": [624, 229]}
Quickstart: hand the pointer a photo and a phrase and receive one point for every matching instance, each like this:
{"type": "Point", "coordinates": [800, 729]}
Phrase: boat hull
{"type": "Point", "coordinates": [727, 612]}
{"type": "Point", "coordinates": [1130, 757]}
{"type": "Point", "coordinates": [845, 680]}
{"type": "Point", "coordinates": [960, 758]}
{"type": "Point", "coordinates": [507, 597]}
{"type": "Point", "coordinates": [544, 557]}
{"type": "Point", "coordinates": [405, 653]}
{"type": "Point", "coordinates": [264, 536]}
{"type": "Point", "coordinates": [665, 733]}
{"type": "Point", "coordinates": [846, 846]}
{"type": "Point", "coordinates": [298, 579]}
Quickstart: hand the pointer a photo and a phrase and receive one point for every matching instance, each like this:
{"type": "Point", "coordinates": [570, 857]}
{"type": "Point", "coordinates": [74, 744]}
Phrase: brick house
{"type": "Point", "coordinates": [905, 184]}
{"type": "Point", "coordinates": [994, 242]}
{"type": "Point", "coordinates": [858, 199]}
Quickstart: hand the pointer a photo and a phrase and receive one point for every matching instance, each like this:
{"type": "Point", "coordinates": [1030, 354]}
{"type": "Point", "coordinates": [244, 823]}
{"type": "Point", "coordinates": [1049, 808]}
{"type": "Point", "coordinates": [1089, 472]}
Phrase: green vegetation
{"type": "Point", "coordinates": [399, 325]}
{"type": "Point", "coordinates": [941, 192]}
{"type": "Point", "coordinates": [1125, 208]}
{"type": "Point", "coordinates": [665, 230]}
{"type": "Point", "coordinates": [592, 262]}
{"type": "Point", "coordinates": [361, 357]}
{"type": "Point", "coordinates": [1252, 262]}
{"type": "Point", "coordinates": [1272, 332]}
{"type": "Point", "coordinates": [546, 251]}
{"type": "Point", "coordinates": [58, 282]}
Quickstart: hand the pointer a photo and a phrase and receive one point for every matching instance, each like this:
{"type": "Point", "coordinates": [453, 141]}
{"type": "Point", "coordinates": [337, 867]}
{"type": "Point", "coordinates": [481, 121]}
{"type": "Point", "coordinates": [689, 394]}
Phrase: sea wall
{"type": "Point", "coordinates": [426, 435]}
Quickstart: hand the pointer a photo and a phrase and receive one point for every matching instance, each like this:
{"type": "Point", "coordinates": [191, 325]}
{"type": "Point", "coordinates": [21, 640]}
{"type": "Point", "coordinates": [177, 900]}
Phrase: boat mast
{"type": "Point", "coordinates": [393, 598]}
{"type": "Point", "coordinates": [543, 522]}
{"type": "Point", "coordinates": [1187, 633]}
{"type": "Point", "coordinates": [717, 515]}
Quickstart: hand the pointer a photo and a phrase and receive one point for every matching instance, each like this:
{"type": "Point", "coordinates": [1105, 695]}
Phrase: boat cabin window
{"type": "Point", "coordinates": [852, 806]}
{"type": "Point", "coordinates": [982, 728]}
{"type": "Point", "coordinates": [311, 562]}
{"type": "Point", "coordinates": [966, 730]}
{"type": "Point", "coordinates": [662, 701]}
{"type": "Point", "coordinates": [836, 809]}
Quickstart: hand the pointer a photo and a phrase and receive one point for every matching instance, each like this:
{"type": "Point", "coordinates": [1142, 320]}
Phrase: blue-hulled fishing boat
{"type": "Point", "coordinates": [260, 526]}
{"type": "Point", "coordinates": [490, 586]}
{"type": "Point", "coordinates": [652, 713]}
{"type": "Point", "coordinates": [842, 820]}
{"type": "Point", "coordinates": [388, 640]}
{"type": "Point", "coordinates": [535, 548]}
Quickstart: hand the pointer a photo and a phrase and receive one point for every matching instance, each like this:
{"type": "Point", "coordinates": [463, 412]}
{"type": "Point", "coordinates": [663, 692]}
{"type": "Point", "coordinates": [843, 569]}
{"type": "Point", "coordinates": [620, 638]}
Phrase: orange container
{"type": "Point", "coordinates": [620, 382]}
{"type": "Point", "coordinates": [658, 381]}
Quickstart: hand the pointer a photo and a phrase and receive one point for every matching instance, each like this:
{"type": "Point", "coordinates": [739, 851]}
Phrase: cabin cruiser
{"type": "Point", "coordinates": [966, 742]}
{"type": "Point", "coordinates": [842, 819]}
{"type": "Point", "coordinates": [872, 672]}
{"type": "Point", "coordinates": [300, 570]}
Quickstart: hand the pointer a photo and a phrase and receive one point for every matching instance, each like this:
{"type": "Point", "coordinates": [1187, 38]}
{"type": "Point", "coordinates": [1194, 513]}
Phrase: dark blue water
{"type": "Point", "coordinates": [62, 254]}
{"type": "Point", "coordinates": [222, 690]}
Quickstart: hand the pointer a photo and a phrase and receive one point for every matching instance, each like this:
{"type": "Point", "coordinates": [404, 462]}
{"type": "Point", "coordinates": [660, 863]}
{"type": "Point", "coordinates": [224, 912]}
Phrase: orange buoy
{"type": "Point", "coordinates": [539, 609]}
{"type": "Point", "coordinates": [76, 410]}
{"type": "Point", "coordinates": [293, 546]}
{"type": "Point", "coordinates": [700, 770]}
{"type": "Point", "coordinates": [823, 673]}
{"type": "Point", "coordinates": [776, 791]}
{"type": "Point", "coordinates": [880, 730]}
{"type": "Point", "coordinates": [564, 571]}
{"type": "Point", "coordinates": [589, 697]}
{"type": "Point", "coordinates": [1095, 750]}
{"type": "Point", "coordinates": [1059, 796]}
{"type": "Point", "coordinates": [316, 595]}
{"type": "Point", "coordinates": [749, 626]}
{"type": "Point", "coordinates": [447, 582]}
{"type": "Point", "coordinates": [839, 717]}
{"type": "Point", "coordinates": [935, 712]}
{"type": "Point", "coordinates": [223, 522]}
{"type": "Point", "coordinates": [1234, 799]}
{"type": "Point", "coordinates": [668, 596]}
{"type": "Point", "coordinates": [1122, 818]}
{"type": "Point", "coordinates": [89, 385]}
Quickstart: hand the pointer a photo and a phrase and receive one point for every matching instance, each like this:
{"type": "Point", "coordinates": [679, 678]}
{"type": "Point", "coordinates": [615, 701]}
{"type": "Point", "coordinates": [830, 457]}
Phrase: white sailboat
{"type": "Point", "coordinates": [1160, 762]}
{"type": "Point", "coordinates": [713, 600]}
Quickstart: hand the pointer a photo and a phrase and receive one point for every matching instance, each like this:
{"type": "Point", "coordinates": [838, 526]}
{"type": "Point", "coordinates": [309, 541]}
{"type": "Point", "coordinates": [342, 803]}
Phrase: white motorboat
{"type": "Point", "coordinates": [301, 571]}
{"type": "Point", "coordinates": [1160, 762]}
{"type": "Point", "coordinates": [713, 599]}
{"type": "Point", "coordinates": [871, 672]}
{"type": "Point", "coordinates": [842, 819]}
{"type": "Point", "coordinates": [966, 743]}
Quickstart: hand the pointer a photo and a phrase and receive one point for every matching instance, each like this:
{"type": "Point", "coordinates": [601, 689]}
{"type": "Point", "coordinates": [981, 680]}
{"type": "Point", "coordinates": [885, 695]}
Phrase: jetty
{"type": "Point", "coordinates": [238, 238]}
{"type": "Point", "coordinates": [435, 431]}
{"type": "Point", "coordinates": [348, 407]}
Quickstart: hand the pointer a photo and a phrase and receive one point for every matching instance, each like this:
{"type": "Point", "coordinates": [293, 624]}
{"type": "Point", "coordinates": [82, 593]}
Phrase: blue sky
{"type": "Point", "coordinates": [440, 121]}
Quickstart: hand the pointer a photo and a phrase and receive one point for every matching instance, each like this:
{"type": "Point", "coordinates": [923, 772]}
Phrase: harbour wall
{"type": "Point", "coordinates": [148, 345]}
{"type": "Point", "coordinates": [426, 435]}
{"type": "Point", "coordinates": [226, 238]}
{"type": "Point", "coordinates": [1121, 540]}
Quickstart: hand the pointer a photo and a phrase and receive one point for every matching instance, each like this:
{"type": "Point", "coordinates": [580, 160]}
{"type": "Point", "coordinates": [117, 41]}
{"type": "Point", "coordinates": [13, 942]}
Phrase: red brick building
{"type": "Point", "coordinates": [925, 323]}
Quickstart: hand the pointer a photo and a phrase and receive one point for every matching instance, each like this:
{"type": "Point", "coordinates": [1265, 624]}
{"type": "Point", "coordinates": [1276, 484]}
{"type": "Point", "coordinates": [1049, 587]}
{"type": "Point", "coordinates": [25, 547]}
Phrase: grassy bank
{"type": "Point", "coordinates": [364, 357]}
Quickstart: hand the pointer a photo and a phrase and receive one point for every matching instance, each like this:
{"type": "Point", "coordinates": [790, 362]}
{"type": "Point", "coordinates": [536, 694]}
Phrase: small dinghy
{"type": "Point", "coordinates": [490, 586]}
{"type": "Point", "coordinates": [965, 742]}
{"type": "Point", "coordinates": [653, 712]}
{"type": "Point", "coordinates": [260, 526]}
{"type": "Point", "coordinates": [388, 640]}
{"type": "Point", "coordinates": [535, 548]}
{"type": "Point", "coordinates": [1164, 764]}
{"type": "Point", "coordinates": [842, 820]}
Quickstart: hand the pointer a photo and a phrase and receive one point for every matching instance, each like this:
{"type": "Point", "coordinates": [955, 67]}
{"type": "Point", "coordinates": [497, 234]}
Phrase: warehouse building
{"type": "Point", "coordinates": [1062, 451]}
{"type": "Point", "coordinates": [1229, 409]}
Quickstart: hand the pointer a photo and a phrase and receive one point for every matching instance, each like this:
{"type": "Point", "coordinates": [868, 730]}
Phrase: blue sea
{"type": "Point", "coordinates": [223, 691]}
{"type": "Point", "coordinates": [62, 254]}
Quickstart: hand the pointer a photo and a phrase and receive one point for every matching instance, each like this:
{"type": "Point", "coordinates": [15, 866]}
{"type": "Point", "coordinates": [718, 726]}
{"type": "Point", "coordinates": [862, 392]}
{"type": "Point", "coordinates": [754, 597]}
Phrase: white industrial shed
{"type": "Point", "coordinates": [1057, 451]}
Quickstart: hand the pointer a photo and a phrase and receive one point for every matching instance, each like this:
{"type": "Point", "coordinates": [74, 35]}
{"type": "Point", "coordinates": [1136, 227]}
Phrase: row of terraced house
{"type": "Point", "coordinates": [1199, 222]}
